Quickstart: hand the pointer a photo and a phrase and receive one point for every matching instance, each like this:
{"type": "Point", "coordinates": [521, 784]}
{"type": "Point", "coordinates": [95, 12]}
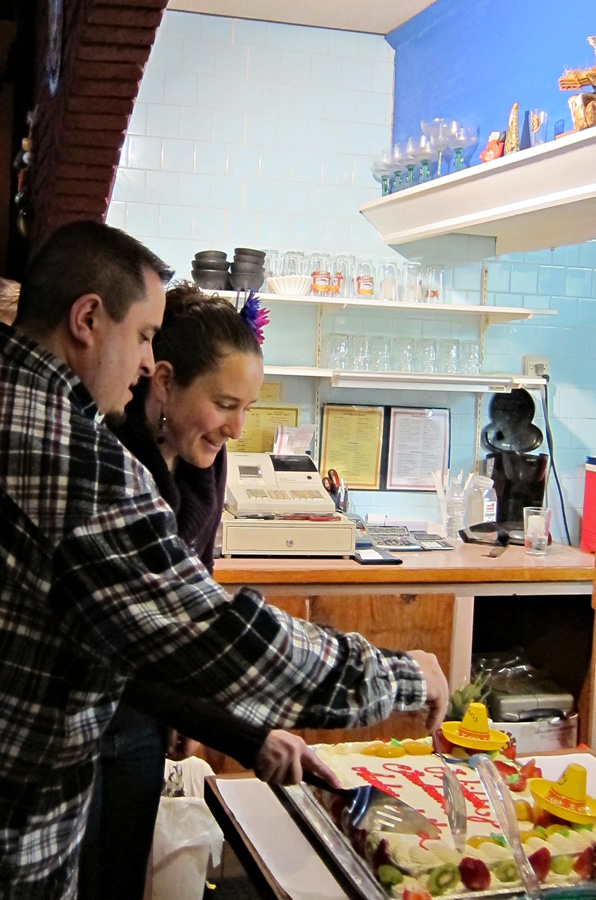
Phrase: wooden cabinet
{"type": "Point", "coordinates": [389, 619]}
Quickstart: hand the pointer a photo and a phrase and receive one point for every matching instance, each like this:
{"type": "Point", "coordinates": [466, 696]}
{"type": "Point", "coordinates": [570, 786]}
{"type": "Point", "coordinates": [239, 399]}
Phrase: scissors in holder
{"type": "Point", "coordinates": [331, 482]}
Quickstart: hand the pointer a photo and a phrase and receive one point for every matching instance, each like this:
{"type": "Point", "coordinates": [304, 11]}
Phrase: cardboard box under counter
{"type": "Point", "coordinates": [543, 735]}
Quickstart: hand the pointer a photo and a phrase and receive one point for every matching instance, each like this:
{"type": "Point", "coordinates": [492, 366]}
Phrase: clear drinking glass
{"type": "Point", "coordinates": [402, 353]}
{"type": "Point", "coordinates": [536, 529]}
{"type": "Point", "coordinates": [380, 353]}
{"type": "Point", "coordinates": [470, 362]}
{"type": "Point", "coordinates": [271, 263]}
{"type": "Point", "coordinates": [341, 276]}
{"type": "Point", "coordinates": [448, 356]}
{"type": "Point", "coordinates": [335, 351]}
{"type": "Point", "coordinates": [426, 355]}
{"type": "Point", "coordinates": [364, 279]}
{"type": "Point", "coordinates": [359, 353]}
{"type": "Point", "coordinates": [538, 119]}
{"type": "Point", "coordinates": [433, 284]}
{"type": "Point", "coordinates": [290, 263]}
{"type": "Point", "coordinates": [320, 271]}
{"type": "Point", "coordinates": [411, 280]}
{"type": "Point", "coordinates": [388, 281]}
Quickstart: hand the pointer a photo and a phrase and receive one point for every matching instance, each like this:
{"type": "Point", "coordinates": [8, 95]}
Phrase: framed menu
{"type": "Point", "coordinates": [419, 441]}
{"type": "Point", "coordinates": [352, 443]}
{"type": "Point", "coordinates": [260, 426]}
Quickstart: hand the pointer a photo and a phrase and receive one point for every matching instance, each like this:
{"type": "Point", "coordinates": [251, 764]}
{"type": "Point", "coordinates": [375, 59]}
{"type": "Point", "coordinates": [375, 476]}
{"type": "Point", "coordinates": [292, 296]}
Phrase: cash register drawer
{"type": "Point", "coordinates": [243, 537]}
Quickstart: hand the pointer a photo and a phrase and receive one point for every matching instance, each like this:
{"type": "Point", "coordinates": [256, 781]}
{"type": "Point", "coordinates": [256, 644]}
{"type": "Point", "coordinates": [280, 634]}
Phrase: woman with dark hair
{"type": "Point", "coordinates": [208, 372]}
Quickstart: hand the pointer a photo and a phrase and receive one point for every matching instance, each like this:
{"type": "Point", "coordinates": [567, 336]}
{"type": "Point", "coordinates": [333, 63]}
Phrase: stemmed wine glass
{"type": "Point", "coordinates": [422, 150]}
{"type": "Point", "coordinates": [438, 131]}
{"type": "Point", "coordinates": [461, 139]}
{"type": "Point", "coordinates": [402, 157]}
{"type": "Point", "coordinates": [382, 169]}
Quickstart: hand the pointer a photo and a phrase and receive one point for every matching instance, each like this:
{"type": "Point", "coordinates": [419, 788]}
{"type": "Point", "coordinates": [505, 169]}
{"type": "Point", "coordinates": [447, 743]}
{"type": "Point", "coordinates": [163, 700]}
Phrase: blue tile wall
{"type": "Point", "coordinates": [250, 133]}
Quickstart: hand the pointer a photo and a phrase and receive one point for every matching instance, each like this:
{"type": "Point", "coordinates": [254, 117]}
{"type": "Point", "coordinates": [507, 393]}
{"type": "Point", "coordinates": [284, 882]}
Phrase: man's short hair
{"type": "Point", "coordinates": [84, 258]}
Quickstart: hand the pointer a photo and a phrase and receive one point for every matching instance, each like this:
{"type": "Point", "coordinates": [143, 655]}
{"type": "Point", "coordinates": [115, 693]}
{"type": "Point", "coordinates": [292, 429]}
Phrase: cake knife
{"type": "Point", "coordinates": [371, 808]}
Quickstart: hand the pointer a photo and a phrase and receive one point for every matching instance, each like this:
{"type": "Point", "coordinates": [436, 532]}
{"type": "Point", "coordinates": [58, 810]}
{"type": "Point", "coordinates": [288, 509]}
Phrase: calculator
{"type": "Point", "coordinates": [393, 537]}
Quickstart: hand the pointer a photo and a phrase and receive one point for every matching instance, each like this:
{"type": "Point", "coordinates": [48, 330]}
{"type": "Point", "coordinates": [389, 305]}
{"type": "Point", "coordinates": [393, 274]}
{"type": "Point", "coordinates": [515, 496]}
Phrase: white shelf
{"type": "Point", "coordinates": [493, 314]}
{"type": "Point", "coordinates": [541, 197]}
{"type": "Point", "coordinates": [411, 381]}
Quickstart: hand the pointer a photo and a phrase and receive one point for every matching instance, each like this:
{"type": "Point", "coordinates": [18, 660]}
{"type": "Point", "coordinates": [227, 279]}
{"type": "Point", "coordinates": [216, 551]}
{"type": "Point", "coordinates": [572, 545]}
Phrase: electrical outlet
{"type": "Point", "coordinates": [535, 365]}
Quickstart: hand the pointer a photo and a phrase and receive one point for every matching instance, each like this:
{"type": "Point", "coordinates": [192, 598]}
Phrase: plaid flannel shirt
{"type": "Point", "coordinates": [96, 586]}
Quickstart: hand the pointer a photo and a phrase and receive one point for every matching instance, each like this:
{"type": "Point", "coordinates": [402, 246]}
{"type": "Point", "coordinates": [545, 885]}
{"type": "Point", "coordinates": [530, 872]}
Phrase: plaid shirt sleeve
{"type": "Point", "coordinates": [126, 591]}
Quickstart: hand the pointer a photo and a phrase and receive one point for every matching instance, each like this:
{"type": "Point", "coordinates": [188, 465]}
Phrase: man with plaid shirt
{"type": "Point", "coordinates": [95, 585]}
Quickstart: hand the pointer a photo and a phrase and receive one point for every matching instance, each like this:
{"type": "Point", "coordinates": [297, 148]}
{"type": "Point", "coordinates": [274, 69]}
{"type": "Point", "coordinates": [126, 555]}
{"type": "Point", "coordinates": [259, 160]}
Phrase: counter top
{"type": "Point", "coordinates": [467, 563]}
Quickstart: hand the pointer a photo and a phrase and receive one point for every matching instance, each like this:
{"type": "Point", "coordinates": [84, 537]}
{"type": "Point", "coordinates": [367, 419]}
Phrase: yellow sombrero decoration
{"type": "Point", "coordinates": [566, 798]}
{"type": "Point", "coordinates": [473, 731]}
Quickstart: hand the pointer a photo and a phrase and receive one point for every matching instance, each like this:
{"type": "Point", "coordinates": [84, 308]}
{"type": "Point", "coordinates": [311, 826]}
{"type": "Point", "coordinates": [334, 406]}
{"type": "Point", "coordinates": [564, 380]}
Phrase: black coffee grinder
{"type": "Point", "coordinates": [519, 476]}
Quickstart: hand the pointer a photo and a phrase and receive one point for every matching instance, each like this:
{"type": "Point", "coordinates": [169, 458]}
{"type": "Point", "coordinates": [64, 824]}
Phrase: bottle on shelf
{"type": "Point", "coordinates": [481, 501]}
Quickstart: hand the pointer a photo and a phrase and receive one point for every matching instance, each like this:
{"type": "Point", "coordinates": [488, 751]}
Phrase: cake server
{"type": "Point", "coordinates": [371, 808]}
{"type": "Point", "coordinates": [455, 802]}
{"type": "Point", "coordinates": [500, 799]}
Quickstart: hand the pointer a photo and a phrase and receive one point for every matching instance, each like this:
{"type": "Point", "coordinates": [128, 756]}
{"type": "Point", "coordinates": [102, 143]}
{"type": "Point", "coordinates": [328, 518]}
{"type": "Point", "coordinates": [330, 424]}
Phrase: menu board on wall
{"type": "Point", "coordinates": [418, 446]}
{"type": "Point", "coordinates": [351, 443]}
{"type": "Point", "coordinates": [260, 426]}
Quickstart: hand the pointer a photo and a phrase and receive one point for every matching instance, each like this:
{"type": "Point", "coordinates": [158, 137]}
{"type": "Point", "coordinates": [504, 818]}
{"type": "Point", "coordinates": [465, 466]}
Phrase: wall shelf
{"type": "Point", "coordinates": [411, 381]}
{"type": "Point", "coordinates": [541, 197]}
{"type": "Point", "coordinates": [492, 314]}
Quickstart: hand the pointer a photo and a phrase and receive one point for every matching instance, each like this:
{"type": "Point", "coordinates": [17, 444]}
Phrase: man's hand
{"type": "Point", "coordinates": [437, 690]}
{"type": "Point", "coordinates": [284, 756]}
{"type": "Point", "coordinates": [180, 747]}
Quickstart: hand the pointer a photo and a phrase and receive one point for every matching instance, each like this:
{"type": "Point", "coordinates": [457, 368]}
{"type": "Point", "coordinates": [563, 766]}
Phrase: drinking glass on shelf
{"type": "Point", "coordinates": [359, 353]}
{"type": "Point", "coordinates": [473, 136]}
{"type": "Point", "coordinates": [381, 167]}
{"type": "Point", "coordinates": [290, 263]}
{"type": "Point", "coordinates": [341, 275]}
{"type": "Point", "coordinates": [364, 279]}
{"type": "Point", "coordinates": [438, 131]}
{"type": "Point", "coordinates": [421, 149]}
{"type": "Point", "coordinates": [411, 280]}
{"type": "Point", "coordinates": [380, 353]}
{"type": "Point", "coordinates": [461, 138]}
{"type": "Point", "coordinates": [432, 284]}
{"type": "Point", "coordinates": [426, 355]}
{"type": "Point", "coordinates": [538, 119]}
{"type": "Point", "coordinates": [388, 281]}
{"type": "Point", "coordinates": [402, 353]}
{"type": "Point", "coordinates": [470, 361]}
{"type": "Point", "coordinates": [448, 356]}
{"type": "Point", "coordinates": [335, 351]}
{"type": "Point", "coordinates": [320, 272]}
{"type": "Point", "coordinates": [271, 264]}
{"type": "Point", "coordinates": [406, 162]}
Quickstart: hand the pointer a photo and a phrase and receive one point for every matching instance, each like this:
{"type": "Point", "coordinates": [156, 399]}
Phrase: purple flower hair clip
{"type": "Point", "coordinates": [255, 316]}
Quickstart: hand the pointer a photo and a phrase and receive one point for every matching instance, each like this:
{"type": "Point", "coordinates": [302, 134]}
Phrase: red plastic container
{"type": "Point", "coordinates": [588, 532]}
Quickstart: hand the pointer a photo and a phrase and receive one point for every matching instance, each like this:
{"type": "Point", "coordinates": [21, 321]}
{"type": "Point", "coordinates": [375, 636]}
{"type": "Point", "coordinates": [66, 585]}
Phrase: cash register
{"type": "Point", "coordinates": [277, 505]}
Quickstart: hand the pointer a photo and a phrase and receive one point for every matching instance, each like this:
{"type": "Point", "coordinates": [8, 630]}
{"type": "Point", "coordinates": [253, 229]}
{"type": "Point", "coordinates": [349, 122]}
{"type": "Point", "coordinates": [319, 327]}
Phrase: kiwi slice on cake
{"type": "Point", "coordinates": [442, 878]}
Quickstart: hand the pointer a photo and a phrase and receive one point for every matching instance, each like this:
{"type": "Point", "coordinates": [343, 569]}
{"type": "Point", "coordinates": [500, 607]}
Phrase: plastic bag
{"type": "Point", "coordinates": [186, 835]}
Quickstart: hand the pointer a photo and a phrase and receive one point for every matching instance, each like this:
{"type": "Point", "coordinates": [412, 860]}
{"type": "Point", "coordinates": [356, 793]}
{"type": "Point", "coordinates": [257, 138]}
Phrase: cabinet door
{"type": "Point", "coordinates": [392, 621]}
{"type": "Point", "coordinates": [295, 603]}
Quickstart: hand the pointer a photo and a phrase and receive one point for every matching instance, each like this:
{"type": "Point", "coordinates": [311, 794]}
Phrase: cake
{"type": "Point", "coordinates": [413, 866]}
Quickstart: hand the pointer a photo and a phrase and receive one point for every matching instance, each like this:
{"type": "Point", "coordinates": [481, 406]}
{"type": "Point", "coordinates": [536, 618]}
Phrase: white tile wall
{"type": "Point", "coordinates": [260, 134]}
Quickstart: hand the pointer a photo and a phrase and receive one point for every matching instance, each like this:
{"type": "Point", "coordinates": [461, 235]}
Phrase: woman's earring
{"type": "Point", "coordinates": [161, 428]}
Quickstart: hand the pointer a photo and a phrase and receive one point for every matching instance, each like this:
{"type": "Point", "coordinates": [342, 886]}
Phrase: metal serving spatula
{"type": "Point", "coordinates": [371, 808]}
{"type": "Point", "coordinates": [455, 802]}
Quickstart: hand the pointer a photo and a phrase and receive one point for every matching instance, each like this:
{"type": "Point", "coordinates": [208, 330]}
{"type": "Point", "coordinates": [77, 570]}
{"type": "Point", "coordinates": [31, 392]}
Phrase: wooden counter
{"type": "Point", "coordinates": [427, 603]}
{"type": "Point", "coordinates": [466, 564]}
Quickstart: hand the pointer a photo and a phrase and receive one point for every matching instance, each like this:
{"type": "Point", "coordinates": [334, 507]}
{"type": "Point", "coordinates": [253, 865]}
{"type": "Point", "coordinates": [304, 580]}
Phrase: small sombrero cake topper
{"type": "Point", "coordinates": [473, 731]}
{"type": "Point", "coordinates": [566, 798]}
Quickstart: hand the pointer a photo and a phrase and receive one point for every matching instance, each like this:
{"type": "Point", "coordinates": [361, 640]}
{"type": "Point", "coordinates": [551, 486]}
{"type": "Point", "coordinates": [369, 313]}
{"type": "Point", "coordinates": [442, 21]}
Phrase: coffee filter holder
{"type": "Point", "coordinates": [511, 428]}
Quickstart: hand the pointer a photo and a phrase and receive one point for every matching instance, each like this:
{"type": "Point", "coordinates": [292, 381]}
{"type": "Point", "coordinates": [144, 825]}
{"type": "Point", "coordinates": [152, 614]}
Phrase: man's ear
{"type": "Point", "coordinates": [84, 317]}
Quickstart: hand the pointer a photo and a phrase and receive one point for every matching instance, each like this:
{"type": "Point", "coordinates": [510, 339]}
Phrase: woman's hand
{"type": "Point", "coordinates": [284, 756]}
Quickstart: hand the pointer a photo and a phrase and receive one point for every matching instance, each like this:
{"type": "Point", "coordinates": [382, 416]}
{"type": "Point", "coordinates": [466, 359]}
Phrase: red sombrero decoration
{"type": "Point", "coordinates": [473, 731]}
{"type": "Point", "coordinates": [566, 798]}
